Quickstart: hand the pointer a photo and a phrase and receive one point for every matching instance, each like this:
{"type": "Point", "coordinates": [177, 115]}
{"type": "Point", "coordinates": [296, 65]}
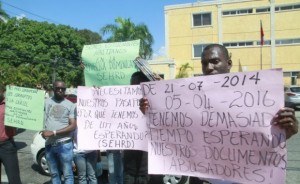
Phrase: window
{"type": "Point", "coordinates": [296, 74]}
{"type": "Point", "coordinates": [287, 7]}
{"type": "Point", "coordinates": [237, 12]}
{"type": "Point", "coordinates": [266, 42]}
{"type": "Point", "coordinates": [281, 41]}
{"type": "Point", "coordinates": [287, 41]}
{"type": "Point", "coordinates": [202, 19]}
{"type": "Point", "coordinates": [226, 13]}
{"type": "Point", "coordinates": [297, 6]}
{"type": "Point", "coordinates": [198, 49]}
{"type": "Point", "coordinates": [294, 81]}
{"type": "Point", "coordinates": [238, 44]}
{"type": "Point", "coordinates": [249, 43]}
{"type": "Point", "coordinates": [262, 10]}
{"type": "Point", "coordinates": [296, 40]}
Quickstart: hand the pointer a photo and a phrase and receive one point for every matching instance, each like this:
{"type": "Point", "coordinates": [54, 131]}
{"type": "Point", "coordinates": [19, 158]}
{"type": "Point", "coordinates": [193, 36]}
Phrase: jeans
{"type": "Point", "coordinates": [115, 166]}
{"type": "Point", "coordinates": [86, 167]}
{"type": "Point", "coordinates": [9, 159]}
{"type": "Point", "coordinates": [59, 159]}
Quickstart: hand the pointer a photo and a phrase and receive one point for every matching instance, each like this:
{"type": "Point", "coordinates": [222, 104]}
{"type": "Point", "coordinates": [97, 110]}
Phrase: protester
{"type": "Point", "coordinates": [115, 166]}
{"type": "Point", "coordinates": [60, 122]}
{"type": "Point", "coordinates": [8, 149]}
{"type": "Point", "coordinates": [135, 161]}
{"type": "Point", "coordinates": [114, 159]}
{"type": "Point", "coordinates": [85, 161]}
{"type": "Point", "coordinates": [216, 60]}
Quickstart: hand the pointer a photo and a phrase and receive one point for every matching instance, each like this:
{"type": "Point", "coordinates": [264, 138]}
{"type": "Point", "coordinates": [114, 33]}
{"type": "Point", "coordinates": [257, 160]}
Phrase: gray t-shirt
{"type": "Point", "coordinates": [57, 115]}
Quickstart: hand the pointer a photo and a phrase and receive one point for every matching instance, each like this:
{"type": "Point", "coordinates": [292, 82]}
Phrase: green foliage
{"type": "Point", "coordinates": [29, 49]}
{"type": "Point", "coordinates": [89, 36]}
{"type": "Point", "coordinates": [183, 71]}
{"type": "Point", "coordinates": [31, 52]}
{"type": "Point", "coordinates": [125, 30]}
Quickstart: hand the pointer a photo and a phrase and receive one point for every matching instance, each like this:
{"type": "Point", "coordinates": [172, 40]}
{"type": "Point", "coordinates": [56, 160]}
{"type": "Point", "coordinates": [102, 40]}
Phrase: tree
{"type": "Point", "coordinates": [89, 36]}
{"type": "Point", "coordinates": [125, 30]}
{"type": "Point", "coordinates": [28, 50]}
{"type": "Point", "coordinates": [183, 73]}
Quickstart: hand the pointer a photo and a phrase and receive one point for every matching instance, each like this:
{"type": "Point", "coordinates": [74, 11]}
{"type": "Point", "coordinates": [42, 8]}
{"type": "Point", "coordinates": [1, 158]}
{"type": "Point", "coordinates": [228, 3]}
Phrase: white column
{"type": "Point", "coordinates": [172, 71]}
{"type": "Point", "coordinates": [272, 27]}
{"type": "Point", "coordinates": [220, 30]}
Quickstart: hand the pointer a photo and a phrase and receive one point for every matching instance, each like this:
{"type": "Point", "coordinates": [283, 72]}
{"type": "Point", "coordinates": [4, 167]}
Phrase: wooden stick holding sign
{"type": "Point", "coordinates": [144, 67]}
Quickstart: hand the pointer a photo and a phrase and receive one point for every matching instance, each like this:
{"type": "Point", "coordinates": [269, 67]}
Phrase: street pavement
{"type": "Point", "coordinates": [30, 173]}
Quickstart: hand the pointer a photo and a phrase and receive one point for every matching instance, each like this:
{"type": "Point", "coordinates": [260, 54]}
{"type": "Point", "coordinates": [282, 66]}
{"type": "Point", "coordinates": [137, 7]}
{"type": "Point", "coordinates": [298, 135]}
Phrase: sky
{"type": "Point", "coordinates": [95, 14]}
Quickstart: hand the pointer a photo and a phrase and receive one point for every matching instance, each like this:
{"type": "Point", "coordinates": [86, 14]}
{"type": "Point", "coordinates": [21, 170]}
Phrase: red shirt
{"type": "Point", "coordinates": [5, 131]}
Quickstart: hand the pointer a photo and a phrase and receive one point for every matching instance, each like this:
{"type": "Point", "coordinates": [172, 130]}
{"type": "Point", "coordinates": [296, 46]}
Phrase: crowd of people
{"type": "Point", "coordinates": [129, 166]}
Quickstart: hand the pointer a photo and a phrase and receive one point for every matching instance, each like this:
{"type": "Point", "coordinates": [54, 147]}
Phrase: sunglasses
{"type": "Point", "coordinates": [59, 88]}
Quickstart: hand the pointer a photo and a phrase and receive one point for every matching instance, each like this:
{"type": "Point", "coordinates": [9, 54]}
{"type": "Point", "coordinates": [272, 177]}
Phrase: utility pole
{"type": "Point", "coordinates": [3, 19]}
{"type": "Point", "coordinates": [54, 64]}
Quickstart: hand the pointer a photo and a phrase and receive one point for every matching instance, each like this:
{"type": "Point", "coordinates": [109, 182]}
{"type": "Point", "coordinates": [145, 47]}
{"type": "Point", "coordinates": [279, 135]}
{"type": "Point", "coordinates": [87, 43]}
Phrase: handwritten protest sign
{"type": "Point", "coordinates": [218, 127]}
{"type": "Point", "coordinates": [109, 63]}
{"type": "Point", "coordinates": [109, 118]}
{"type": "Point", "coordinates": [24, 108]}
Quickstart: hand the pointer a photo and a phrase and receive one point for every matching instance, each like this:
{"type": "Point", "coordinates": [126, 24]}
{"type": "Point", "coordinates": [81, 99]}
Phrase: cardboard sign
{"type": "Point", "coordinates": [109, 118]}
{"type": "Point", "coordinates": [24, 108]}
{"type": "Point", "coordinates": [109, 63]}
{"type": "Point", "coordinates": [218, 126]}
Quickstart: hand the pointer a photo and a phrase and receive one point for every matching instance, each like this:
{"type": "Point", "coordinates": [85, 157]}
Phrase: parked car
{"type": "Point", "coordinates": [38, 153]}
{"type": "Point", "coordinates": [292, 96]}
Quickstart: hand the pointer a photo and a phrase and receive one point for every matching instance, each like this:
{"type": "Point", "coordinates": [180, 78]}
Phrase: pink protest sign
{"type": "Point", "coordinates": [109, 118]}
{"type": "Point", "coordinates": [218, 127]}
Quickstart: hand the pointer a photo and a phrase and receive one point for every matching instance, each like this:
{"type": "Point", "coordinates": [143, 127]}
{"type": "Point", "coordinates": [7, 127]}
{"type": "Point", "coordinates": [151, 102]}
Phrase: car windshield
{"type": "Point", "coordinates": [295, 89]}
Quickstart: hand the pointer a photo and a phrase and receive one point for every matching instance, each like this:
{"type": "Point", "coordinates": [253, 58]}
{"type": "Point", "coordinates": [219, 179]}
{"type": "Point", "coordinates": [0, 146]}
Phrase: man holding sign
{"type": "Point", "coordinates": [216, 60]}
{"type": "Point", "coordinates": [60, 122]}
{"type": "Point", "coordinates": [136, 161]}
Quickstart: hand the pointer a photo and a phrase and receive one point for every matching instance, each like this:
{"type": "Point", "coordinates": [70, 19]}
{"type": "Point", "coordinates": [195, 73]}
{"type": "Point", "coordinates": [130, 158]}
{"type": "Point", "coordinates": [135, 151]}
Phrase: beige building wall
{"type": "Point", "coordinates": [181, 35]}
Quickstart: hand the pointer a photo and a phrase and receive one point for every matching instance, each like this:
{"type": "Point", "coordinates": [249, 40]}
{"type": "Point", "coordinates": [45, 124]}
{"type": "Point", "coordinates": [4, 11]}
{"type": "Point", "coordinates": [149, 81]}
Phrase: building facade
{"type": "Point", "coordinates": [237, 24]}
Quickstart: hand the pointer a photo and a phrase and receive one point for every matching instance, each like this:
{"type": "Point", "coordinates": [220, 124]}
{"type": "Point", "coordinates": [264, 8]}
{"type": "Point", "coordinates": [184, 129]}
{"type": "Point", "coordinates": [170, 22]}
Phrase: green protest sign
{"type": "Point", "coordinates": [109, 63]}
{"type": "Point", "coordinates": [24, 108]}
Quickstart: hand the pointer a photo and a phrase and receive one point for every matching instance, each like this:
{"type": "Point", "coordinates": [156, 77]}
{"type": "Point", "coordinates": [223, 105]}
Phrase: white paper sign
{"type": "Point", "coordinates": [218, 126]}
{"type": "Point", "coordinates": [109, 118]}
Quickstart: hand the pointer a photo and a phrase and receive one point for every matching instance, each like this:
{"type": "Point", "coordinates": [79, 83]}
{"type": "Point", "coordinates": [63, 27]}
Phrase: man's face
{"type": "Point", "coordinates": [59, 90]}
{"type": "Point", "coordinates": [214, 62]}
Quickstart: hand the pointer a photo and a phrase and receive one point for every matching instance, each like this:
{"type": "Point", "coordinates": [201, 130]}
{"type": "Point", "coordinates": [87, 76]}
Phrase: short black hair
{"type": "Point", "coordinates": [221, 47]}
{"type": "Point", "coordinates": [57, 81]}
{"type": "Point", "coordinates": [140, 76]}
